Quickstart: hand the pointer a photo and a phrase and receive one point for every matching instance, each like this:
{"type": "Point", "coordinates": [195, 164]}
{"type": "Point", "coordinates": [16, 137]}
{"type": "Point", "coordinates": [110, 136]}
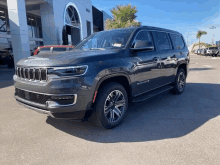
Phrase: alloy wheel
{"type": "Point", "coordinates": [114, 106]}
{"type": "Point", "coordinates": [181, 81]}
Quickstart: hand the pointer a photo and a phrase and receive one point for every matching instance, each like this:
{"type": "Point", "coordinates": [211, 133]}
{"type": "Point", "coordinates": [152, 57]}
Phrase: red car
{"type": "Point", "coordinates": [56, 48]}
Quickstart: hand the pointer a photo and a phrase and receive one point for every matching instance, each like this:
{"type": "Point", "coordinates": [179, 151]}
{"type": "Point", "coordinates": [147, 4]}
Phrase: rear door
{"type": "Point", "coordinates": [168, 57]}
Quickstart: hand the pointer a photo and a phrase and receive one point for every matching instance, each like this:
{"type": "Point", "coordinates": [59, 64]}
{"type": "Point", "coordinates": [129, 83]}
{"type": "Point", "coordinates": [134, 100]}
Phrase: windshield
{"type": "Point", "coordinates": [106, 40]}
{"type": "Point", "coordinates": [45, 49]}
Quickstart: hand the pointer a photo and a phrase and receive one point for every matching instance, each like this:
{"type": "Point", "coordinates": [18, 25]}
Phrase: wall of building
{"type": "Point", "coordinates": [52, 16]}
{"type": "Point", "coordinates": [105, 17]}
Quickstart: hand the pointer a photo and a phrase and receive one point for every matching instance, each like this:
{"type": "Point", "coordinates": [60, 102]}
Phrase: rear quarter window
{"type": "Point", "coordinates": [162, 40]}
{"type": "Point", "coordinates": [177, 41]}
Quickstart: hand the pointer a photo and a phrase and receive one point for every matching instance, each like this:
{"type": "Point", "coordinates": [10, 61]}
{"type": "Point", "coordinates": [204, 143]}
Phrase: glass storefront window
{"type": "Point", "coordinates": [3, 20]}
{"type": "Point", "coordinates": [34, 26]}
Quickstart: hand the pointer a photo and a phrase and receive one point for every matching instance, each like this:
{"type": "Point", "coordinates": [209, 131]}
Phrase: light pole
{"type": "Point", "coordinates": [187, 39]}
{"type": "Point", "coordinates": [213, 27]}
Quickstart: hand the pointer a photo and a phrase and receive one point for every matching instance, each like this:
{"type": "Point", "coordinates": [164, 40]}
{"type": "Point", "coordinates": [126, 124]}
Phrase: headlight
{"type": "Point", "coordinates": [68, 71]}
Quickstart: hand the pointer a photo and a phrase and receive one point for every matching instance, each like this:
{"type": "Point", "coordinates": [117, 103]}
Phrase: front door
{"type": "Point", "coordinates": [147, 64]}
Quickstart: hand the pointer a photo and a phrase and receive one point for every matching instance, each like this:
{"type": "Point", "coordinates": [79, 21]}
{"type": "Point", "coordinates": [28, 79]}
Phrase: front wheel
{"type": "Point", "coordinates": [180, 82]}
{"type": "Point", "coordinates": [110, 106]}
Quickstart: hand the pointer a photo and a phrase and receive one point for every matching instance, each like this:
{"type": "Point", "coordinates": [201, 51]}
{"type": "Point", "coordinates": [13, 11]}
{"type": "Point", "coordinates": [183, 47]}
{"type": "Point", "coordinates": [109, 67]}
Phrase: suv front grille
{"type": "Point", "coordinates": [39, 74]}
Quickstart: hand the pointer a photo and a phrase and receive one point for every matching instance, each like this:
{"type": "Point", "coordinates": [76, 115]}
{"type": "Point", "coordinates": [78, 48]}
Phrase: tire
{"type": "Point", "coordinates": [115, 115]}
{"type": "Point", "coordinates": [177, 90]}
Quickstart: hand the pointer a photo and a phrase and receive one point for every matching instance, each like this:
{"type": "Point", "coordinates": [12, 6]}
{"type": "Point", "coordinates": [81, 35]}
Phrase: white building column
{"type": "Point", "coordinates": [19, 29]}
{"type": "Point", "coordinates": [50, 33]}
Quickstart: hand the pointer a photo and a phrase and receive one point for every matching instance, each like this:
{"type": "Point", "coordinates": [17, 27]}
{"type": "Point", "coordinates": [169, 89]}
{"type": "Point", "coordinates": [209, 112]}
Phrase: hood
{"type": "Point", "coordinates": [66, 58]}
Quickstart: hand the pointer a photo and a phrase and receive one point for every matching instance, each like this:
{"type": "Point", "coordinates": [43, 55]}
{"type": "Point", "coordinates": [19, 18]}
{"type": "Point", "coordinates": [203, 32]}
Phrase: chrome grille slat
{"type": "Point", "coordinates": [34, 74]}
{"type": "Point", "coordinates": [28, 73]}
{"type": "Point", "coordinates": [40, 74]}
{"type": "Point", "coordinates": [20, 71]}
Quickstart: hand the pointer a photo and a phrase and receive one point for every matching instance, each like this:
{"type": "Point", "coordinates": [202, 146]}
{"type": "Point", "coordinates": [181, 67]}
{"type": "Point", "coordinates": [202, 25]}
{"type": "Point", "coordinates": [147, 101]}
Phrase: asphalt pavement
{"type": "Point", "coordinates": [166, 129]}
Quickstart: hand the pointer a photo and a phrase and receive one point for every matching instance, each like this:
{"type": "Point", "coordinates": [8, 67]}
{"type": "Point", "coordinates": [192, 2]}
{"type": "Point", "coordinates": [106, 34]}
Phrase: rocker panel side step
{"type": "Point", "coordinates": [152, 93]}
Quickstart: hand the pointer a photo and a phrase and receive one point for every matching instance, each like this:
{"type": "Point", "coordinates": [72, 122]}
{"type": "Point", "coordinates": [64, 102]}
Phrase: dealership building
{"type": "Point", "coordinates": [25, 24]}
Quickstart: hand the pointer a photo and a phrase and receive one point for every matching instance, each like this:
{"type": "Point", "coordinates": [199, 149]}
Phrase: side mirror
{"type": "Point", "coordinates": [143, 45]}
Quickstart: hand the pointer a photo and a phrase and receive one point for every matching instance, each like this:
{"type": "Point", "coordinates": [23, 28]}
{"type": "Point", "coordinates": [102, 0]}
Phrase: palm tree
{"type": "Point", "coordinates": [199, 35]}
{"type": "Point", "coordinates": [123, 16]}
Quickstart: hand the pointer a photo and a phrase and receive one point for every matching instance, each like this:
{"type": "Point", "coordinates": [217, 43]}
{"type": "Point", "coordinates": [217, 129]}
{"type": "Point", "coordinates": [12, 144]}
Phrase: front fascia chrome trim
{"type": "Point", "coordinates": [30, 102]}
{"type": "Point", "coordinates": [36, 109]}
{"type": "Point", "coordinates": [45, 93]}
{"type": "Point", "coordinates": [54, 105]}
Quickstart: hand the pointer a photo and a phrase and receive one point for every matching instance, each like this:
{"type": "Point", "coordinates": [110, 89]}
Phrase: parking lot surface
{"type": "Point", "coordinates": [166, 129]}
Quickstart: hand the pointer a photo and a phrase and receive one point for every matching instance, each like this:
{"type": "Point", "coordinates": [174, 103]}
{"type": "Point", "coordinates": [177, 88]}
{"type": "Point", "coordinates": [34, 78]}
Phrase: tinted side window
{"type": "Point", "coordinates": [143, 36]}
{"type": "Point", "coordinates": [162, 40]}
{"type": "Point", "coordinates": [177, 41]}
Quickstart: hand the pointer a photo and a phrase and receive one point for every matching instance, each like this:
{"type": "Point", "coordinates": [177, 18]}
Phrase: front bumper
{"type": "Point", "coordinates": [81, 91]}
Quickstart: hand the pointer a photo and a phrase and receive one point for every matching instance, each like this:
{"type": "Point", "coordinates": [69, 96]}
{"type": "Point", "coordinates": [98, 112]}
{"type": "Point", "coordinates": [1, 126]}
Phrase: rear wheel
{"type": "Point", "coordinates": [180, 81]}
{"type": "Point", "coordinates": [111, 106]}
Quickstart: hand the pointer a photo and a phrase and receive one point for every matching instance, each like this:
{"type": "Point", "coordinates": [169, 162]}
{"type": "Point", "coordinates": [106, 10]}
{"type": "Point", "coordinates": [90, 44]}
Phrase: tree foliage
{"type": "Point", "coordinates": [199, 35]}
{"type": "Point", "coordinates": [123, 16]}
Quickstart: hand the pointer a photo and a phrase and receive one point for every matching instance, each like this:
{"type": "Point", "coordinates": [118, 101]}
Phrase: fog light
{"type": "Point", "coordinates": [61, 100]}
{"type": "Point", "coordinates": [51, 103]}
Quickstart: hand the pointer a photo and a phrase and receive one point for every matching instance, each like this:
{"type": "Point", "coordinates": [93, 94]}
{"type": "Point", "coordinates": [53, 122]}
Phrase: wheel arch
{"type": "Point", "coordinates": [120, 78]}
{"type": "Point", "coordinates": [183, 66]}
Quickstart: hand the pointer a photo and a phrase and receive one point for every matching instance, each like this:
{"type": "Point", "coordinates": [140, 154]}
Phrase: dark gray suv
{"type": "Point", "coordinates": [103, 73]}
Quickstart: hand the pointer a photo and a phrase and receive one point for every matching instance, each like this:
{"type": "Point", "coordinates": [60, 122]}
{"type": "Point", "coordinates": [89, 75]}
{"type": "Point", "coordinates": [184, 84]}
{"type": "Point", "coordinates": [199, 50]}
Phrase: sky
{"type": "Point", "coordinates": [186, 17]}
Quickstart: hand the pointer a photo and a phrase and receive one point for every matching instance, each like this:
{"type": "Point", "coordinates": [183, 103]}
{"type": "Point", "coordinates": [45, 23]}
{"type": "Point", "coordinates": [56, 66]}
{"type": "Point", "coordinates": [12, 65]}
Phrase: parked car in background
{"type": "Point", "coordinates": [203, 51]}
{"type": "Point", "coordinates": [52, 48]}
{"type": "Point", "coordinates": [199, 51]}
{"type": "Point", "coordinates": [7, 58]}
{"type": "Point", "coordinates": [196, 51]}
{"type": "Point", "coordinates": [213, 51]}
{"type": "Point", "coordinates": [103, 73]}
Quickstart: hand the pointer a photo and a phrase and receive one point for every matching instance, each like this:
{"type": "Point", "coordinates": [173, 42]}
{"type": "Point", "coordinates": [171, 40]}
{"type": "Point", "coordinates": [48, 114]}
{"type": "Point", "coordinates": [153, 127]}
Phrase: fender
{"type": "Point", "coordinates": [180, 63]}
{"type": "Point", "coordinates": [112, 75]}
{"type": "Point", "coordinates": [107, 77]}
